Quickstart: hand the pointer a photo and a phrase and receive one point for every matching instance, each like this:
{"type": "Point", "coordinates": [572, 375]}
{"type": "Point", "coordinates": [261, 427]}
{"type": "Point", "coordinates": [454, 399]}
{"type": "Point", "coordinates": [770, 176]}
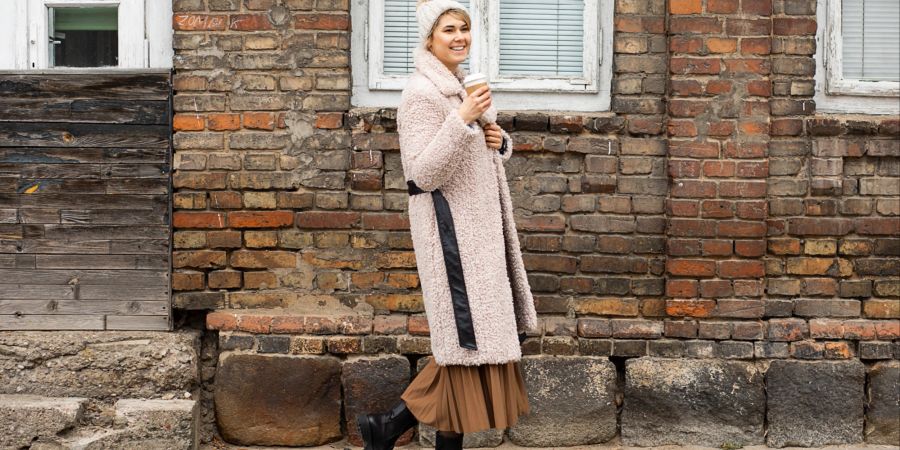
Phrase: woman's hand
{"type": "Point", "coordinates": [492, 136]}
{"type": "Point", "coordinates": [475, 104]}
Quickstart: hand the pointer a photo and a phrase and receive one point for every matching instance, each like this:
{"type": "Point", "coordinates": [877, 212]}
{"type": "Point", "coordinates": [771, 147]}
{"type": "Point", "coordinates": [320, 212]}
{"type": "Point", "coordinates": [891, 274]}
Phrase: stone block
{"type": "Point", "coordinates": [145, 424]}
{"type": "Point", "coordinates": [98, 364]}
{"type": "Point", "coordinates": [708, 402]}
{"type": "Point", "coordinates": [572, 402]}
{"type": "Point", "coordinates": [278, 400]}
{"type": "Point", "coordinates": [373, 385]}
{"type": "Point", "coordinates": [26, 420]}
{"type": "Point", "coordinates": [815, 403]}
{"type": "Point", "coordinates": [883, 404]}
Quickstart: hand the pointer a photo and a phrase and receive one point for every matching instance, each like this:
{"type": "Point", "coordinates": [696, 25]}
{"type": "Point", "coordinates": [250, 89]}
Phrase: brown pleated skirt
{"type": "Point", "coordinates": [466, 399]}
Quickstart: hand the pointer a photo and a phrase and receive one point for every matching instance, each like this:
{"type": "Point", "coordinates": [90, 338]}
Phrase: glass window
{"type": "Point", "coordinates": [871, 33]}
{"type": "Point", "coordinates": [84, 37]}
{"type": "Point", "coordinates": [542, 37]}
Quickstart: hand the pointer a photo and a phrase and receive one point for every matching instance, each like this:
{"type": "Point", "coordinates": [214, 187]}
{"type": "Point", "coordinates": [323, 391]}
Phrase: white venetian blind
{"type": "Point", "coordinates": [542, 37]}
{"type": "Point", "coordinates": [871, 39]}
{"type": "Point", "coordinates": [401, 35]}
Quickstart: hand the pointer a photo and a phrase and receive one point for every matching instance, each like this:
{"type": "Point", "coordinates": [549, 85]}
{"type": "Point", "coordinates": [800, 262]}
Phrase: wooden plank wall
{"type": "Point", "coordinates": [85, 236]}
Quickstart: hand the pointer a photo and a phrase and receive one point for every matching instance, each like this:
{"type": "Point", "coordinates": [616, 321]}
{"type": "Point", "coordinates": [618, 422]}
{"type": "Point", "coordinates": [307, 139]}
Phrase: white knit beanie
{"type": "Point", "coordinates": [428, 11]}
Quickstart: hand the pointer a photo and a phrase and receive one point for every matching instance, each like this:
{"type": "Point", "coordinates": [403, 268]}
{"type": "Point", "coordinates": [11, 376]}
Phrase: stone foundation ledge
{"type": "Point", "coordinates": [308, 400]}
{"type": "Point", "coordinates": [31, 421]}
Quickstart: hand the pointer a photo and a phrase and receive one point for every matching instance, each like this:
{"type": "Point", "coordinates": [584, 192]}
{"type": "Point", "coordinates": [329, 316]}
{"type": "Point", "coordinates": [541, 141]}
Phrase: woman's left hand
{"type": "Point", "coordinates": [492, 136]}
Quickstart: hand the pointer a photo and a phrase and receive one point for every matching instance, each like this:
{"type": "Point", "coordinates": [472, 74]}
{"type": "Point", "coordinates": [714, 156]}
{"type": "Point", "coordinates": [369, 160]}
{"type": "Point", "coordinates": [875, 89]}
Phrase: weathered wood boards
{"type": "Point", "coordinates": [85, 201]}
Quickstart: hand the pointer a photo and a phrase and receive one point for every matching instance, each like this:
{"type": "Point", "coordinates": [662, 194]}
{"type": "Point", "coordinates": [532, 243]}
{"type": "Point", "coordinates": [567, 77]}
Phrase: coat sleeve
{"type": "Point", "coordinates": [431, 144]}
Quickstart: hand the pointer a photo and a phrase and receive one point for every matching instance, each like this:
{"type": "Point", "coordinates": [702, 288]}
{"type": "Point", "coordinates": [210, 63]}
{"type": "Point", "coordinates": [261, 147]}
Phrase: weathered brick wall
{"type": "Point", "coordinates": [712, 212]}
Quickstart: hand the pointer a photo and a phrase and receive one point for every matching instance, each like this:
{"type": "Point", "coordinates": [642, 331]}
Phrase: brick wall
{"type": "Point", "coordinates": [711, 212]}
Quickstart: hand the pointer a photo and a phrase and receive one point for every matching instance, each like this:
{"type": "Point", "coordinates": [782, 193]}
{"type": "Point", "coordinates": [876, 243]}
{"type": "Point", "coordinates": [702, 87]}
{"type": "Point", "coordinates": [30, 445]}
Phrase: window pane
{"type": "Point", "coordinates": [871, 39]}
{"type": "Point", "coordinates": [84, 37]}
{"type": "Point", "coordinates": [401, 35]}
{"type": "Point", "coordinates": [542, 37]}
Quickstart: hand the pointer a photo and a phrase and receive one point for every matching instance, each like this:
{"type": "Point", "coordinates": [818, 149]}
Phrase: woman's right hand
{"type": "Point", "coordinates": [475, 104]}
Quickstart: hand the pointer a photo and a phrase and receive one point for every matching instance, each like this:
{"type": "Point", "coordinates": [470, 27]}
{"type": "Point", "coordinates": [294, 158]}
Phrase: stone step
{"type": "Point", "coordinates": [25, 419]}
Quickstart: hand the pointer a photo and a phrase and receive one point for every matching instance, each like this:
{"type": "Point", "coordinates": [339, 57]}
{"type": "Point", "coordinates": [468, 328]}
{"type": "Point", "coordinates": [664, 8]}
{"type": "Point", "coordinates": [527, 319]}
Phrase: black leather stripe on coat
{"type": "Point", "coordinates": [456, 281]}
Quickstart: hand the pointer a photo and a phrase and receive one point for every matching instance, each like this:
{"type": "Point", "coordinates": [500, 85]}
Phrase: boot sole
{"type": "Point", "coordinates": [362, 425]}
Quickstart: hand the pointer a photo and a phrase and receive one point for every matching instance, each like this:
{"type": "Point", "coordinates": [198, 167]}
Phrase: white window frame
{"type": "Point", "coordinates": [834, 92]}
{"type": "Point", "coordinates": [373, 88]}
{"type": "Point", "coordinates": [144, 28]}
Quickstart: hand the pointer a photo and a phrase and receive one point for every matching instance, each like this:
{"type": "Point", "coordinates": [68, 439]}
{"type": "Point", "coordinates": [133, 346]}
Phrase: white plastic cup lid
{"type": "Point", "coordinates": [474, 78]}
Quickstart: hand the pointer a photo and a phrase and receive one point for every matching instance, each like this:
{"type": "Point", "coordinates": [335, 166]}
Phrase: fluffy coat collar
{"type": "Point", "coordinates": [449, 83]}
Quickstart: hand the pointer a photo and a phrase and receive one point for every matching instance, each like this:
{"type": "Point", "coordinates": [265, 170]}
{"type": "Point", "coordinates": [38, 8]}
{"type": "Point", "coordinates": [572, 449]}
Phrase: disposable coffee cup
{"type": "Point", "coordinates": [473, 82]}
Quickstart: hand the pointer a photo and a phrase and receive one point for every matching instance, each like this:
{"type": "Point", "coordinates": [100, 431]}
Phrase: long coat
{"type": "Point", "coordinates": [477, 308]}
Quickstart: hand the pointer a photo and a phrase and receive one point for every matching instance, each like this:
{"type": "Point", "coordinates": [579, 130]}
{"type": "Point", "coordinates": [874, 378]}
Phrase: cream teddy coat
{"type": "Point", "coordinates": [440, 152]}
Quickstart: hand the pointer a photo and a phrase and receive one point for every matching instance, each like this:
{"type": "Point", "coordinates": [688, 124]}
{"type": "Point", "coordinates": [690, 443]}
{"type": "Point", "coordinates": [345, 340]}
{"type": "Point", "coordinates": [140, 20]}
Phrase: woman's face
{"type": "Point", "coordinates": [450, 41]}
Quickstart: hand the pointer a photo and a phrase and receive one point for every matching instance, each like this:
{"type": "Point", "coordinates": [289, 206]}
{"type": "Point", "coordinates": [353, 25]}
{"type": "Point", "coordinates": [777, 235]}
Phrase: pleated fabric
{"type": "Point", "coordinates": [466, 399]}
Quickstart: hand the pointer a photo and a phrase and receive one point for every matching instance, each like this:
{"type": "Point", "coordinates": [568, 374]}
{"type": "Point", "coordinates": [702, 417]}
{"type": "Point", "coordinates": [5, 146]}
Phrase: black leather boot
{"type": "Point", "coordinates": [453, 442]}
{"type": "Point", "coordinates": [381, 431]}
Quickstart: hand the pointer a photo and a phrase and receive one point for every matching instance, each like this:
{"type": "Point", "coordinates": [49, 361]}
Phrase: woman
{"type": "Point", "coordinates": [476, 293]}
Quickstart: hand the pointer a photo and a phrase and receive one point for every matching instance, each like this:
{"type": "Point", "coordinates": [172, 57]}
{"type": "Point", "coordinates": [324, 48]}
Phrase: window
{"type": "Point", "coordinates": [858, 56]}
{"type": "Point", "coordinates": [49, 34]}
{"type": "Point", "coordinates": [538, 54]}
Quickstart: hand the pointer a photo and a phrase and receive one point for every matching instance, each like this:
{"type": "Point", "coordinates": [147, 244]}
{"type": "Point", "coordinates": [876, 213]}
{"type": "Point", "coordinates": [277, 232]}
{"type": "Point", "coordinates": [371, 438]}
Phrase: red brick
{"type": "Point", "coordinates": [685, 6]}
{"type": "Point", "coordinates": [787, 329]}
{"type": "Point", "coordinates": [327, 219]}
{"type": "Point", "coordinates": [750, 249]}
{"type": "Point", "coordinates": [784, 246]}
{"type": "Point", "coordinates": [685, 44]}
{"type": "Point", "coordinates": [199, 22]}
{"type": "Point", "coordinates": [716, 288]}
{"type": "Point", "coordinates": [698, 25]}
{"type": "Point", "coordinates": [747, 65]}
{"type": "Point", "coordinates": [695, 66]}
{"type": "Point", "coordinates": [260, 219]}
{"type": "Point", "coordinates": [756, 46]}
{"type": "Point", "coordinates": [259, 121]}
{"type": "Point", "coordinates": [250, 22]}
{"type": "Point", "coordinates": [686, 87]}
{"type": "Point", "coordinates": [786, 127]}
{"type": "Point", "coordinates": [746, 189]}
{"type": "Point", "coordinates": [225, 200]}
{"type": "Point", "coordinates": [753, 209]}
{"type": "Point", "coordinates": [693, 149]}
{"type": "Point", "coordinates": [716, 87]}
{"type": "Point", "coordinates": [717, 209]}
{"type": "Point", "coordinates": [385, 221]}
{"type": "Point", "coordinates": [683, 168]}
{"type": "Point", "coordinates": [716, 247]}
{"type": "Point", "coordinates": [721, 45]}
{"type": "Point", "coordinates": [682, 128]}
{"type": "Point", "coordinates": [198, 220]}
{"type": "Point", "coordinates": [734, 228]}
{"type": "Point", "coordinates": [690, 308]}
{"type": "Point", "coordinates": [758, 7]}
{"type": "Point", "coordinates": [878, 226]}
{"type": "Point", "coordinates": [745, 150]}
{"type": "Point", "coordinates": [187, 281]}
{"type": "Point", "coordinates": [682, 208]}
{"type": "Point", "coordinates": [722, 6]}
{"type": "Point", "coordinates": [683, 247]}
{"type": "Point", "coordinates": [759, 88]}
{"type": "Point", "coordinates": [224, 122]}
{"type": "Point", "coordinates": [681, 288]}
{"type": "Point", "coordinates": [693, 189]}
{"type": "Point", "coordinates": [688, 108]}
{"type": "Point", "coordinates": [418, 326]}
{"type": "Point", "coordinates": [222, 321]}
{"type": "Point", "coordinates": [315, 21]}
{"type": "Point", "coordinates": [720, 128]}
{"type": "Point", "coordinates": [329, 120]}
{"type": "Point", "coordinates": [788, 26]}
{"type": "Point", "coordinates": [188, 122]}
{"type": "Point", "coordinates": [718, 168]}
{"type": "Point", "coordinates": [691, 267]}
{"type": "Point", "coordinates": [748, 27]}
{"type": "Point", "coordinates": [629, 24]}
{"type": "Point", "coordinates": [741, 269]}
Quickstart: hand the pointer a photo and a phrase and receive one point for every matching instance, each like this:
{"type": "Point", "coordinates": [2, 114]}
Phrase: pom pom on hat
{"type": "Point", "coordinates": [428, 11]}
